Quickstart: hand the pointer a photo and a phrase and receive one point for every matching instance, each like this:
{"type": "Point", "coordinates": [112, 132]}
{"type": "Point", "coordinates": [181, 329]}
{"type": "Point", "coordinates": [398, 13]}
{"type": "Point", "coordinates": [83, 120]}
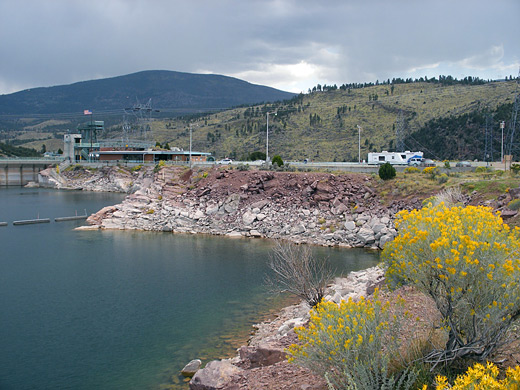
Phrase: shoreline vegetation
{"type": "Point", "coordinates": [344, 210]}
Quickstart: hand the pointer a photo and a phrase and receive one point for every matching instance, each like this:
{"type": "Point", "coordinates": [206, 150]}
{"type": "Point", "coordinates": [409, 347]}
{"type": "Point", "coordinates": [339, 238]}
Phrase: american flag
{"type": "Point", "coordinates": [87, 112]}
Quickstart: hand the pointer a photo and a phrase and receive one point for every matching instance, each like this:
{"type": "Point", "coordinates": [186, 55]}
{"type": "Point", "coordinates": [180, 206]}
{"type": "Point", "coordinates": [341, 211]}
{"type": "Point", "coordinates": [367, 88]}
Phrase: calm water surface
{"type": "Point", "coordinates": [122, 310]}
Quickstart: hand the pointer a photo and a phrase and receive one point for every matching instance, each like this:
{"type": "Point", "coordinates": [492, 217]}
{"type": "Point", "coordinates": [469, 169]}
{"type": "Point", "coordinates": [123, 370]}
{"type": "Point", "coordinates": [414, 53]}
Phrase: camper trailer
{"type": "Point", "coordinates": [394, 158]}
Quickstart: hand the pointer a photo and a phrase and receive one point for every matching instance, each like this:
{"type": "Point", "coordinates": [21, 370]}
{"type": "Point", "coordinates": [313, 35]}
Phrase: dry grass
{"type": "Point", "coordinates": [333, 138]}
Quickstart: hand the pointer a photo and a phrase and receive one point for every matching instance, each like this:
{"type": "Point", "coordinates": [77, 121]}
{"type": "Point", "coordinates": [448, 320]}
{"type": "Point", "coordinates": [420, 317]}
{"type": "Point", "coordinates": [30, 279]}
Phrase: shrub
{"type": "Point", "coordinates": [277, 160]}
{"type": "Point", "coordinates": [450, 197]}
{"type": "Point", "coordinates": [411, 170]}
{"type": "Point", "coordinates": [158, 167]}
{"type": "Point", "coordinates": [386, 171]}
{"type": "Point", "coordinates": [466, 259]}
{"type": "Point", "coordinates": [431, 172]}
{"type": "Point", "coordinates": [298, 272]}
{"type": "Point", "coordinates": [447, 165]}
{"type": "Point", "coordinates": [514, 204]}
{"type": "Point", "coordinates": [137, 168]}
{"type": "Point", "coordinates": [243, 167]}
{"type": "Point", "coordinates": [482, 169]}
{"type": "Point", "coordinates": [352, 345]}
{"type": "Point", "coordinates": [515, 168]}
{"type": "Point", "coordinates": [480, 377]}
{"type": "Point", "coordinates": [443, 178]}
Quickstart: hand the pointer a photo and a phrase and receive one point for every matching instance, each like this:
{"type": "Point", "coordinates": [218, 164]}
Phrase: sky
{"type": "Point", "coordinates": [285, 44]}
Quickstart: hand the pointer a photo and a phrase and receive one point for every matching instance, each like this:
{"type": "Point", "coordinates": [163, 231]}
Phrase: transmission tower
{"type": "Point", "coordinates": [488, 149]}
{"type": "Point", "coordinates": [136, 122]}
{"type": "Point", "coordinates": [513, 145]}
{"type": "Point", "coordinates": [400, 132]}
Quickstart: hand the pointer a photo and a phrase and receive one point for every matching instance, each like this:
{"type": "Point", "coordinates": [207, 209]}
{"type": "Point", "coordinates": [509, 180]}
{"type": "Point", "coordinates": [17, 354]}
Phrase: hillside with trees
{"type": "Point", "coordinates": [445, 119]}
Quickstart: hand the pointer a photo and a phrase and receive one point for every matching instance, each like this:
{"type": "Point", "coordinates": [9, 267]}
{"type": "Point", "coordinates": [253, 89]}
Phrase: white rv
{"type": "Point", "coordinates": [394, 158]}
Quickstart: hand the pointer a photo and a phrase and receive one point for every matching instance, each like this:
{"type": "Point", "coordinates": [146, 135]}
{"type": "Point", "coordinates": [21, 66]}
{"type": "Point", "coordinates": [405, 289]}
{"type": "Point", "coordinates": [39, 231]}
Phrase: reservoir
{"type": "Point", "coordinates": [120, 309]}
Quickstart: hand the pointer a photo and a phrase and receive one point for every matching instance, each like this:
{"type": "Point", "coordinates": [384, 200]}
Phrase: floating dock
{"type": "Point", "coordinates": [32, 221]}
{"type": "Point", "coordinates": [3, 223]}
{"type": "Point", "coordinates": [73, 218]}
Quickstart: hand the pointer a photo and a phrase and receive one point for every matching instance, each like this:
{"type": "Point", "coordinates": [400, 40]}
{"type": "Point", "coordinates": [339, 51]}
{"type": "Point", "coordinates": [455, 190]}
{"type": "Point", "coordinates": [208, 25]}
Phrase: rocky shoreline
{"type": "Point", "coordinates": [263, 364]}
{"type": "Point", "coordinates": [311, 208]}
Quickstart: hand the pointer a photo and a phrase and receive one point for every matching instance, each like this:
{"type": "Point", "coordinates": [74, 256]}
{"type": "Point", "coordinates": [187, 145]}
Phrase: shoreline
{"type": "Point", "coordinates": [264, 354]}
{"type": "Point", "coordinates": [305, 208]}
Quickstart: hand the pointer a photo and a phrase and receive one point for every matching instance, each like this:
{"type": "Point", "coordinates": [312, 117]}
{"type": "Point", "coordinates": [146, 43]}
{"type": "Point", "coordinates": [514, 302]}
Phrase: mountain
{"type": "Point", "coordinates": [175, 91]}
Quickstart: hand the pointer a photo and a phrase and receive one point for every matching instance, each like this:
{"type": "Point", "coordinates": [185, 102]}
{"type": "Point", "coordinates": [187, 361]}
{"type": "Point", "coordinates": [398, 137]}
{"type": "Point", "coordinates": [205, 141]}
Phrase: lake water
{"type": "Point", "coordinates": [122, 310]}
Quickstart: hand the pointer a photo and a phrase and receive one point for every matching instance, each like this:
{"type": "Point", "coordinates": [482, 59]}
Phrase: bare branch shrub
{"type": "Point", "coordinates": [298, 272]}
{"type": "Point", "coordinates": [451, 196]}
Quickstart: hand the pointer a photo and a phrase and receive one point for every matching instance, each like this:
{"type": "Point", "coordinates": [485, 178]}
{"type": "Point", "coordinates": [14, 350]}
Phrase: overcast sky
{"type": "Point", "coordinates": [290, 45]}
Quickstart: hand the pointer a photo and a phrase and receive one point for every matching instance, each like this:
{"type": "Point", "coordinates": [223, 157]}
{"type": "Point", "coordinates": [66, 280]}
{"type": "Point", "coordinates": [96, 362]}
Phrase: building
{"type": "Point", "coordinates": [84, 146]}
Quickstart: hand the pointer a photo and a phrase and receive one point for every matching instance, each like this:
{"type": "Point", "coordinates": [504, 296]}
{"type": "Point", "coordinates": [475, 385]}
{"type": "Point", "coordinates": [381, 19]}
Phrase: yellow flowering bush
{"type": "Point", "coordinates": [431, 172]}
{"type": "Point", "coordinates": [411, 170]}
{"type": "Point", "coordinates": [351, 344]}
{"type": "Point", "coordinates": [480, 377]}
{"type": "Point", "coordinates": [467, 260]}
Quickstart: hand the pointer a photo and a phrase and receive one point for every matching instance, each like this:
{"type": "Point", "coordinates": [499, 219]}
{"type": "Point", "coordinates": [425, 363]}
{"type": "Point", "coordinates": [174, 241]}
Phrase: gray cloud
{"type": "Point", "coordinates": [283, 43]}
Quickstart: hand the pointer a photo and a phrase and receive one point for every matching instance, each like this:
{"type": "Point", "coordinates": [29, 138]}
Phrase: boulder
{"type": "Point", "coordinates": [234, 234]}
{"type": "Point", "coordinates": [215, 376]}
{"type": "Point", "coordinates": [248, 218]}
{"type": "Point", "coordinates": [365, 236]}
{"type": "Point", "coordinates": [231, 203]}
{"type": "Point", "coordinates": [377, 227]}
{"type": "Point", "coordinates": [384, 239]}
{"type": "Point", "coordinates": [264, 354]}
{"type": "Point", "coordinates": [191, 368]}
{"type": "Point", "coordinates": [350, 225]}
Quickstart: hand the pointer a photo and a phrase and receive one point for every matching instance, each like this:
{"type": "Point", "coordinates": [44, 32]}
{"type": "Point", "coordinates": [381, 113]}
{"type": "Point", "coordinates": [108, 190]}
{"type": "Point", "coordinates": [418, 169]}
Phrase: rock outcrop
{"type": "Point", "coordinates": [314, 208]}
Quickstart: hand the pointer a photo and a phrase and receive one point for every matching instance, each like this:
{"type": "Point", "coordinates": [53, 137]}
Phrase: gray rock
{"type": "Point", "coordinates": [260, 216]}
{"type": "Point", "coordinates": [264, 354]}
{"type": "Point", "coordinates": [384, 239]}
{"type": "Point", "coordinates": [298, 229]}
{"type": "Point", "coordinates": [216, 375]}
{"type": "Point", "coordinates": [378, 227]}
{"type": "Point", "coordinates": [231, 203]}
{"type": "Point", "coordinates": [255, 233]}
{"type": "Point", "coordinates": [350, 225]}
{"type": "Point", "coordinates": [191, 368]}
{"type": "Point", "coordinates": [248, 218]}
{"type": "Point", "coordinates": [234, 234]}
{"type": "Point", "coordinates": [212, 209]}
{"type": "Point", "coordinates": [365, 235]}
{"type": "Point", "coordinates": [198, 215]}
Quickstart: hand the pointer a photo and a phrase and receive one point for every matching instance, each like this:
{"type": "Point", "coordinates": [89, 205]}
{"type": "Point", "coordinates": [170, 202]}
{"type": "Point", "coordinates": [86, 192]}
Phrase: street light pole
{"type": "Point", "coordinates": [502, 125]}
{"type": "Point", "coordinates": [190, 145]}
{"type": "Point", "coordinates": [359, 143]}
{"type": "Point", "coordinates": [267, 139]}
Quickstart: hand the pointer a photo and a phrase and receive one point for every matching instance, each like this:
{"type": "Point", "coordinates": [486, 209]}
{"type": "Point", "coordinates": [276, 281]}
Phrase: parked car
{"type": "Point", "coordinates": [427, 163]}
{"type": "Point", "coordinates": [226, 161]}
{"type": "Point", "coordinates": [415, 161]}
{"type": "Point", "coordinates": [463, 164]}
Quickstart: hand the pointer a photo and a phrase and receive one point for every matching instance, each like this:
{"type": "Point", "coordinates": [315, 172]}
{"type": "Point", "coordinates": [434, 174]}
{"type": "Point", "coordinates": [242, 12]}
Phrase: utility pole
{"type": "Point", "coordinates": [190, 145]}
{"type": "Point", "coordinates": [267, 139]}
{"type": "Point", "coordinates": [502, 125]}
{"type": "Point", "coordinates": [359, 143]}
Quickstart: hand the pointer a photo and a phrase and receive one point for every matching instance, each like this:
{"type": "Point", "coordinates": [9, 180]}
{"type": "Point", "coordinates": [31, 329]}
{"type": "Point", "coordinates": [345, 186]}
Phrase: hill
{"type": "Point", "coordinates": [445, 119]}
{"type": "Point", "coordinates": [174, 91]}
{"type": "Point", "coordinates": [322, 125]}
